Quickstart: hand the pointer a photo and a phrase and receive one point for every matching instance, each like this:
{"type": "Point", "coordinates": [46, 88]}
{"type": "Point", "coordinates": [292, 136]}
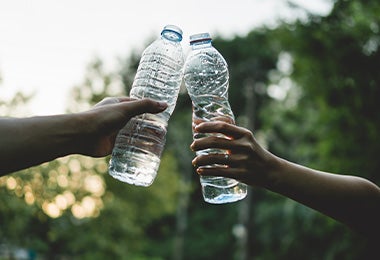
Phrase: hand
{"type": "Point", "coordinates": [106, 119]}
{"type": "Point", "coordinates": [35, 140]}
{"type": "Point", "coordinates": [351, 200]}
{"type": "Point", "coordinates": [246, 161]}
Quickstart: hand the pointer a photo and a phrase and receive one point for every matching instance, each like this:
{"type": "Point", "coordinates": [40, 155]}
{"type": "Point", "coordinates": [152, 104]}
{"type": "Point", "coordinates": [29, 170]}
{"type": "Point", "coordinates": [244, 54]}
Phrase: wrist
{"type": "Point", "coordinates": [276, 165]}
{"type": "Point", "coordinates": [73, 134]}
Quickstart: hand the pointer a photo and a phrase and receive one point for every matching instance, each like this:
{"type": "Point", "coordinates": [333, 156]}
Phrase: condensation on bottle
{"type": "Point", "coordinates": [207, 79]}
{"type": "Point", "coordinates": [136, 155]}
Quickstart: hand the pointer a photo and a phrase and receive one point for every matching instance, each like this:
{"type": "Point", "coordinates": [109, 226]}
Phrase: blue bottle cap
{"type": "Point", "coordinates": [172, 32]}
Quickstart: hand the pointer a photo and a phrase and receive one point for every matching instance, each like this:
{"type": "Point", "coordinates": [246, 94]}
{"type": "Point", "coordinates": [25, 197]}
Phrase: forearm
{"type": "Point", "coordinates": [26, 142]}
{"type": "Point", "coordinates": [348, 199]}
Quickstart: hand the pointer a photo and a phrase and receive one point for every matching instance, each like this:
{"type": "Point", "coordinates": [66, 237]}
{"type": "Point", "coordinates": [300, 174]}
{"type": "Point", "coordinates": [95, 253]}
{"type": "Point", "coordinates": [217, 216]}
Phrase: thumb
{"type": "Point", "coordinates": [146, 105]}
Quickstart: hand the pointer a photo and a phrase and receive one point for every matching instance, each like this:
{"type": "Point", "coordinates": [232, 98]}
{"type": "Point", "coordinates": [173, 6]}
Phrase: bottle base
{"type": "Point", "coordinates": [224, 198]}
{"type": "Point", "coordinates": [219, 190]}
{"type": "Point", "coordinates": [136, 155]}
{"type": "Point", "coordinates": [144, 181]}
{"type": "Point", "coordinates": [134, 168]}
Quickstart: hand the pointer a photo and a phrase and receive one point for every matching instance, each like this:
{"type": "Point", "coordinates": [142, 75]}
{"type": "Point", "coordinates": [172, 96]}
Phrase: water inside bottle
{"type": "Point", "coordinates": [206, 78]}
{"type": "Point", "coordinates": [220, 190]}
{"type": "Point", "coordinates": [138, 147]}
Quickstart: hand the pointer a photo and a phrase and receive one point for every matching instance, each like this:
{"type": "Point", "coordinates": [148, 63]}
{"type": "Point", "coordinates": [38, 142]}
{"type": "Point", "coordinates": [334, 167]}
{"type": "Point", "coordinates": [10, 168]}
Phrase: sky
{"type": "Point", "coordinates": [45, 45]}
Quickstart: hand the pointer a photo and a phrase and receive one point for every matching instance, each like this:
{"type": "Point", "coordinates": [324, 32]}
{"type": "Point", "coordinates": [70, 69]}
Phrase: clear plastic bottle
{"type": "Point", "coordinates": [207, 79]}
{"type": "Point", "coordinates": [138, 147]}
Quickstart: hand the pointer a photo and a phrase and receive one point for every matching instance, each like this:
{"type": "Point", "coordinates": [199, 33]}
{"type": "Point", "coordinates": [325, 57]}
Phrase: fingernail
{"type": "Point", "coordinates": [162, 104]}
{"type": "Point", "coordinates": [199, 170]}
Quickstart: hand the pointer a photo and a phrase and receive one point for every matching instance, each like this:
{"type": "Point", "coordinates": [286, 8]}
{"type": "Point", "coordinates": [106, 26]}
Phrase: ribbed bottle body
{"type": "Point", "coordinates": [139, 145]}
{"type": "Point", "coordinates": [207, 79]}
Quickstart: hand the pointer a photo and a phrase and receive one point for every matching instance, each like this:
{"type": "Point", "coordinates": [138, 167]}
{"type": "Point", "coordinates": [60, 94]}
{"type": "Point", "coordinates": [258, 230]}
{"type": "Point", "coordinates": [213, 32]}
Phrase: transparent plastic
{"type": "Point", "coordinates": [207, 79]}
{"type": "Point", "coordinates": [139, 145]}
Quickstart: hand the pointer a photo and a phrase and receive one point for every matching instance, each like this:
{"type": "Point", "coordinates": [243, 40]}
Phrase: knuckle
{"type": "Point", "coordinates": [220, 125]}
{"type": "Point", "coordinates": [248, 134]}
{"type": "Point", "coordinates": [215, 141]}
{"type": "Point", "coordinates": [223, 126]}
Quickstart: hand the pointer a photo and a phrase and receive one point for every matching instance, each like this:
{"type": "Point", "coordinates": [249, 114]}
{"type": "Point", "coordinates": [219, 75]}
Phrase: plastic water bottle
{"type": "Point", "coordinates": [138, 147]}
{"type": "Point", "coordinates": [207, 79]}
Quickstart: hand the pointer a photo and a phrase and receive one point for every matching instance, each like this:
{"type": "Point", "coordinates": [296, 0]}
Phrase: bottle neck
{"type": "Point", "coordinates": [200, 44]}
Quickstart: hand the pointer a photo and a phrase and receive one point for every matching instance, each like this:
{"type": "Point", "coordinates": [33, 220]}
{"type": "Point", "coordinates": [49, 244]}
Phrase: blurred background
{"type": "Point", "coordinates": [304, 77]}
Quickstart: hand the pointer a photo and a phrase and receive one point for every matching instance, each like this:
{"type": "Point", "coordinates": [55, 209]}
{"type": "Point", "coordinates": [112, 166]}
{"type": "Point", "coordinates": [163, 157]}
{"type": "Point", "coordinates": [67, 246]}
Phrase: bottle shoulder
{"type": "Point", "coordinates": [207, 56]}
{"type": "Point", "coordinates": [203, 50]}
{"type": "Point", "coordinates": [164, 44]}
{"type": "Point", "coordinates": [168, 51]}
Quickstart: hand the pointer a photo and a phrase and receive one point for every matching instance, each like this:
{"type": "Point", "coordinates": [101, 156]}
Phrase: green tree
{"type": "Point", "coordinates": [326, 108]}
{"type": "Point", "coordinates": [315, 84]}
{"type": "Point", "coordinates": [331, 126]}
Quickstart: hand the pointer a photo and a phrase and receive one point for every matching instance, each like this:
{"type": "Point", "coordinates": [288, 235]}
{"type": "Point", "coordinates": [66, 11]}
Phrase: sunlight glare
{"type": "Point", "coordinates": [94, 184]}
{"type": "Point", "coordinates": [78, 211]}
{"type": "Point", "coordinates": [29, 198]}
{"type": "Point", "coordinates": [61, 202]}
{"type": "Point", "coordinates": [51, 209]}
{"type": "Point", "coordinates": [11, 183]}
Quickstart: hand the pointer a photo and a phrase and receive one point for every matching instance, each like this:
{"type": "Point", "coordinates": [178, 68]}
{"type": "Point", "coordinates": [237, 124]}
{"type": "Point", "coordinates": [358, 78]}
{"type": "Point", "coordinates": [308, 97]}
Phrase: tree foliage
{"type": "Point", "coordinates": [315, 84]}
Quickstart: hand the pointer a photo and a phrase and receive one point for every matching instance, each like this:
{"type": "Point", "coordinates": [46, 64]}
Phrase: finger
{"type": "Point", "coordinates": [124, 99]}
{"type": "Point", "coordinates": [226, 119]}
{"type": "Point", "coordinates": [113, 100]}
{"type": "Point", "coordinates": [141, 106]}
{"type": "Point", "coordinates": [227, 172]}
{"type": "Point", "coordinates": [221, 127]}
{"type": "Point", "coordinates": [214, 142]}
{"type": "Point", "coordinates": [212, 159]}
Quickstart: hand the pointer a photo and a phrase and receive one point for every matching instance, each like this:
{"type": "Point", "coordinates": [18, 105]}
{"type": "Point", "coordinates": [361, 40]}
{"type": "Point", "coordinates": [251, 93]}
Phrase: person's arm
{"type": "Point", "coordinates": [26, 142]}
{"type": "Point", "coordinates": [351, 200]}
